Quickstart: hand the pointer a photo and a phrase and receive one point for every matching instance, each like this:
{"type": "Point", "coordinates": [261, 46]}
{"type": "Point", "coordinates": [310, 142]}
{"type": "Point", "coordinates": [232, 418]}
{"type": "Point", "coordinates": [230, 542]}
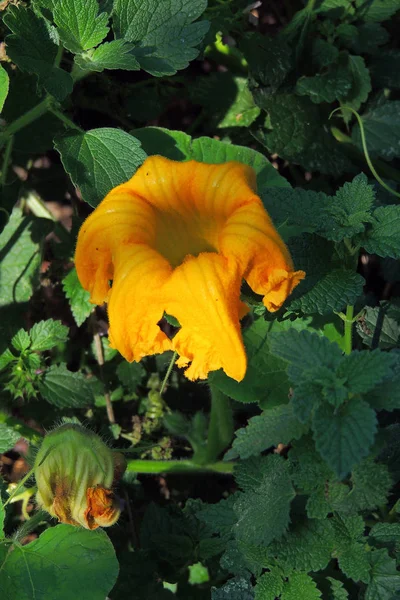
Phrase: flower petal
{"type": "Point", "coordinates": [135, 302]}
{"type": "Point", "coordinates": [203, 294]}
{"type": "Point", "coordinates": [251, 237]}
{"type": "Point", "coordinates": [122, 218]}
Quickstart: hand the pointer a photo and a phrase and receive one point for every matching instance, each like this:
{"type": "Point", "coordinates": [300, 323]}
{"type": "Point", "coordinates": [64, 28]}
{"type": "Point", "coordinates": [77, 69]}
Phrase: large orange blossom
{"type": "Point", "coordinates": [180, 237]}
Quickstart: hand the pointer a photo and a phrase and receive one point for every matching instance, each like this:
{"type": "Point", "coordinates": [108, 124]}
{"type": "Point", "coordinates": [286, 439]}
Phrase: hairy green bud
{"type": "Point", "coordinates": [75, 472]}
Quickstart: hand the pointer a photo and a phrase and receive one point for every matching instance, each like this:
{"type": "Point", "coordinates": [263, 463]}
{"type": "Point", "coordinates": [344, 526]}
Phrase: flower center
{"type": "Point", "coordinates": [179, 235]}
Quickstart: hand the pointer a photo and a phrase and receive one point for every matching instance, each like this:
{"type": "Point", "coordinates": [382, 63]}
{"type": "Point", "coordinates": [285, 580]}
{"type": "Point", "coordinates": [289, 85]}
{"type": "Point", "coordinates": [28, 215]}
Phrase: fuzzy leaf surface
{"type": "Point", "coordinates": [270, 494]}
{"type": "Point", "coordinates": [344, 436]}
{"type": "Point", "coordinates": [47, 334]}
{"type": "Point", "coordinates": [273, 426]}
{"type": "Point", "coordinates": [52, 567]}
{"type": "Point", "coordinates": [4, 85]}
{"type": "Point", "coordinates": [33, 49]}
{"type": "Point", "coordinates": [163, 32]}
{"type": "Point", "coordinates": [99, 160]}
{"type": "Point", "coordinates": [116, 54]}
{"type": "Point", "coordinates": [383, 238]}
{"type": "Point", "coordinates": [78, 297]}
{"type": "Point", "coordinates": [65, 389]}
{"type": "Point", "coordinates": [382, 130]}
{"type": "Point", "coordinates": [79, 25]}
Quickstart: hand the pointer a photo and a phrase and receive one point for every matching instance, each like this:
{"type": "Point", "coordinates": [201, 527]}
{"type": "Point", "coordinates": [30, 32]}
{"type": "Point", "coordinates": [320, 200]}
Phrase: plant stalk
{"type": "Point", "coordinates": [220, 430]}
{"type": "Point", "coordinates": [178, 466]}
{"type": "Point", "coordinates": [348, 329]}
{"type": "Point", "coordinates": [31, 115]}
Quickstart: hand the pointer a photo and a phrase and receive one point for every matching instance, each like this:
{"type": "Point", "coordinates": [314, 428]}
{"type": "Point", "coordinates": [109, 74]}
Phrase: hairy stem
{"type": "Point", "coordinates": [348, 329]}
{"type": "Point", "coordinates": [178, 466]}
{"type": "Point", "coordinates": [220, 430]}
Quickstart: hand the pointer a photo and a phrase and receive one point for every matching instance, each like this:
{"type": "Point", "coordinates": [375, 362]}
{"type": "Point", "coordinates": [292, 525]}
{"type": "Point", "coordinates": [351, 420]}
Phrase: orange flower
{"type": "Point", "coordinates": [179, 237]}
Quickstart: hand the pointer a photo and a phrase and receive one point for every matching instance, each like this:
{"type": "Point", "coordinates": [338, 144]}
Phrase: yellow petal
{"type": "Point", "coordinates": [122, 218]}
{"type": "Point", "coordinates": [203, 294]}
{"type": "Point", "coordinates": [136, 304]}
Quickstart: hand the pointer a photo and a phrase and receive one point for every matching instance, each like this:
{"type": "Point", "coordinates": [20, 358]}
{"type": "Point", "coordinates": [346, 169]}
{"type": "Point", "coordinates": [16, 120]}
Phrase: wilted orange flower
{"type": "Point", "coordinates": [179, 237]}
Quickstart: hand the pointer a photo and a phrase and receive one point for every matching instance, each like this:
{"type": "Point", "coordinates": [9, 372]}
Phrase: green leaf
{"type": "Point", "coordinates": [296, 132]}
{"type": "Point", "coordinates": [334, 8]}
{"type": "Point", "coordinates": [386, 533]}
{"type": "Point", "coordinates": [324, 53]}
{"type": "Point", "coordinates": [33, 49]}
{"type": "Point", "coordinates": [2, 518]}
{"type": "Point", "coordinates": [270, 495]}
{"type": "Point", "coordinates": [110, 55]}
{"type": "Point", "coordinates": [130, 374]}
{"type": "Point", "coordinates": [382, 130]}
{"type": "Point", "coordinates": [371, 483]}
{"type": "Point", "coordinates": [269, 59]}
{"type": "Point", "coordinates": [343, 436]}
{"type": "Point", "coordinates": [385, 69]}
{"type": "Point", "coordinates": [351, 209]}
{"type": "Point", "coordinates": [262, 366]}
{"type": "Point", "coordinates": [360, 84]}
{"type": "Point", "coordinates": [307, 546]}
{"type": "Point", "coordinates": [99, 159]}
{"type": "Point", "coordinates": [269, 586]}
{"type": "Point", "coordinates": [220, 517]}
{"type": "Point", "coordinates": [273, 426]}
{"type": "Point", "coordinates": [364, 370]}
{"type": "Point", "coordinates": [78, 298]}
{"type": "Point", "coordinates": [79, 25]}
{"type": "Point", "coordinates": [332, 292]}
{"type": "Point", "coordinates": [8, 438]}
{"type": "Point", "coordinates": [305, 351]}
{"type": "Point", "coordinates": [335, 83]}
{"type": "Point", "coordinates": [4, 84]}
{"type": "Point", "coordinates": [6, 358]}
{"type": "Point", "coordinates": [300, 587]}
{"type": "Point", "coordinates": [338, 592]}
{"type": "Point", "coordinates": [47, 334]}
{"type": "Point", "coordinates": [20, 257]}
{"type": "Point", "coordinates": [368, 38]}
{"type": "Point", "coordinates": [350, 547]}
{"type": "Point", "coordinates": [242, 112]}
{"type": "Point", "coordinates": [299, 210]}
{"type": "Point", "coordinates": [21, 340]}
{"type": "Point", "coordinates": [163, 32]}
{"type": "Point", "coordinates": [383, 238]}
{"type": "Point", "coordinates": [177, 145]}
{"type": "Point", "coordinates": [64, 562]}
{"type": "Point", "coordinates": [384, 579]}
{"type": "Point", "coordinates": [66, 389]}
{"type": "Point", "coordinates": [235, 589]}
{"type": "Point", "coordinates": [376, 11]}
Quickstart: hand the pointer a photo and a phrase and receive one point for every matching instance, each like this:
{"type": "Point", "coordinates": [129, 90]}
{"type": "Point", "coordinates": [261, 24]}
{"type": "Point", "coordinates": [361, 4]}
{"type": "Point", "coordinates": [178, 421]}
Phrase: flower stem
{"type": "Point", "coordinates": [19, 486]}
{"type": "Point", "coordinates": [348, 329]}
{"type": "Point", "coordinates": [168, 373]}
{"type": "Point", "coordinates": [178, 466]}
{"type": "Point", "coordinates": [220, 430]}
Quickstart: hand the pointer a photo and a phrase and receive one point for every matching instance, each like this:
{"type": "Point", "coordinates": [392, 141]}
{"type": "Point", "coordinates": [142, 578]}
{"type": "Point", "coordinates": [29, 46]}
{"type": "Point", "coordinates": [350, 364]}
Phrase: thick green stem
{"type": "Point", "coordinates": [220, 430]}
{"type": "Point", "coordinates": [348, 329]}
{"type": "Point", "coordinates": [31, 115]}
{"type": "Point", "coordinates": [178, 466]}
